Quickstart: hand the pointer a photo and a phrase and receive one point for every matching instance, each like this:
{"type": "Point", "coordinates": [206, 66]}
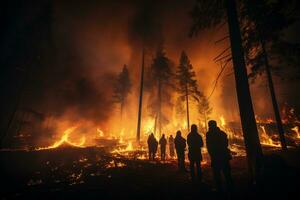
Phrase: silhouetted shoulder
{"type": "Point", "coordinates": [208, 134]}
{"type": "Point", "coordinates": [223, 133]}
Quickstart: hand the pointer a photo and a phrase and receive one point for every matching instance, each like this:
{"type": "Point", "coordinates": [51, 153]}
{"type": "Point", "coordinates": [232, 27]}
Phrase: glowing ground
{"type": "Point", "coordinates": [91, 172]}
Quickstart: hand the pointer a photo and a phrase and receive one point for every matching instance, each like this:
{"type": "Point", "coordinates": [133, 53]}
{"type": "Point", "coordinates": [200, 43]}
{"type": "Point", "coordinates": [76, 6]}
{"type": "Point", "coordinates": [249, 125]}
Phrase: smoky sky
{"type": "Point", "coordinates": [61, 56]}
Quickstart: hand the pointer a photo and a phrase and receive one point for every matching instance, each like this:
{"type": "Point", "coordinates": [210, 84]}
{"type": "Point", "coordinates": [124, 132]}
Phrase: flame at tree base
{"type": "Point", "coordinates": [119, 142]}
{"type": "Point", "coordinates": [65, 140]}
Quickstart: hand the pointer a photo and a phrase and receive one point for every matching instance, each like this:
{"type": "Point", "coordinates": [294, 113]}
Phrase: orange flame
{"type": "Point", "coordinates": [65, 139]}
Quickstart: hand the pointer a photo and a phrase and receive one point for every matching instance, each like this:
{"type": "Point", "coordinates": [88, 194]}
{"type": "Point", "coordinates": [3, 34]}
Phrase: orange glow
{"type": "Point", "coordinates": [222, 119]}
{"type": "Point", "coordinates": [296, 129]}
{"type": "Point", "coordinates": [101, 134]}
{"type": "Point", "coordinates": [265, 139]}
{"type": "Point", "coordinates": [65, 140]}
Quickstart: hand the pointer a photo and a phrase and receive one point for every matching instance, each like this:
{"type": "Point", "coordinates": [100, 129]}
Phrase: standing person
{"type": "Point", "coordinates": [151, 146]}
{"type": "Point", "coordinates": [171, 146]}
{"type": "Point", "coordinates": [163, 144]}
{"type": "Point", "coordinates": [195, 144]}
{"type": "Point", "coordinates": [217, 147]}
{"type": "Point", "coordinates": [180, 144]}
{"type": "Point", "coordinates": [155, 145]}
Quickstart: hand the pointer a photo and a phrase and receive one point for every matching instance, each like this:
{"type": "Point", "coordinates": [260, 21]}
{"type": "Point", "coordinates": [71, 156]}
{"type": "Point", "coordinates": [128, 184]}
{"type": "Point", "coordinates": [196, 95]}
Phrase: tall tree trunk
{"type": "Point", "coordinates": [155, 124]}
{"type": "Point", "coordinates": [271, 86]}
{"type": "Point", "coordinates": [187, 106]}
{"type": "Point", "coordinates": [250, 133]}
{"type": "Point", "coordinates": [159, 107]}
{"type": "Point", "coordinates": [121, 113]}
{"type": "Point", "coordinates": [138, 132]}
{"type": "Point", "coordinates": [274, 100]}
{"type": "Point", "coordinates": [121, 110]}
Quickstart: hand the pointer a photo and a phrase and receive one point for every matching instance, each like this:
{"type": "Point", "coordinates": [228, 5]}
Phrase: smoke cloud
{"type": "Point", "coordinates": [86, 45]}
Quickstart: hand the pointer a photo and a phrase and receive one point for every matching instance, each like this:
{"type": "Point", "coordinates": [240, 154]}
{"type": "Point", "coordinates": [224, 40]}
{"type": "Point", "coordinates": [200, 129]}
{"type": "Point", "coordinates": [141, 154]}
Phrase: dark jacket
{"type": "Point", "coordinates": [152, 143]}
{"type": "Point", "coordinates": [217, 146]}
{"type": "Point", "coordinates": [163, 142]}
{"type": "Point", "coordinates": [180, 144]}
{"type": "Point", "coordinates": [195, 144]}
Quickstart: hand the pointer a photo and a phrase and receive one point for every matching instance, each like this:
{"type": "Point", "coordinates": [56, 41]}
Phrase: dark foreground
{"type": "Point", "coordinates": [90, 173]}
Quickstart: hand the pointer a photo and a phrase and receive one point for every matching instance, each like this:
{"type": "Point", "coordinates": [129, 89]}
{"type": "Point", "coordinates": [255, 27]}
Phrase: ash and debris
{"type": "Point", "coordinates": [93, 172]}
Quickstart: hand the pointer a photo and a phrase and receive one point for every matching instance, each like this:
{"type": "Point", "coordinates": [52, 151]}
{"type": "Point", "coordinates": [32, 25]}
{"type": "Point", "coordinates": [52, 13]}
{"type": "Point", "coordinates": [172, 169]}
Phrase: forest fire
{"type": "Point", "coordinates": [122, 141]}
{"type": "Point", "coordinates": [125, 145]}
{"type": "Point", "coordinates": [117, 100]}
{"type": "Point", "coordinates": [266, 139]}
{"type": "Point", "coordinates": [64, 140]}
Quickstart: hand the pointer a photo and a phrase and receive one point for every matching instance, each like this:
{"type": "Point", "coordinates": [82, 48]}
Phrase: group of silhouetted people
{"type": "Point", "coordinates": [217, 147]}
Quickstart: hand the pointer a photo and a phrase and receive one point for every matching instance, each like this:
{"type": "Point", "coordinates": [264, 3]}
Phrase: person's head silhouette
{"type": "Point", "coordinates": [212, 124]}
{"type": "Point", "coordinates": [194, 128]}
{"type": "Point", "coordinates": [178, 133]}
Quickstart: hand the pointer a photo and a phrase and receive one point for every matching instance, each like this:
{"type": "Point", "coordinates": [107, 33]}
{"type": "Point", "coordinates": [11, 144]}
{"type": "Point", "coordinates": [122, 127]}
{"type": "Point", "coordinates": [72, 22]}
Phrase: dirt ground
{"type": "Point", "coordinates": [91, 173]}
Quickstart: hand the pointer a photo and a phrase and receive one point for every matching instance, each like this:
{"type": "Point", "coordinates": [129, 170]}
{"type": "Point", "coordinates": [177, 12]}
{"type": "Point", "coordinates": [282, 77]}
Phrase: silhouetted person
{"type": "Point", "coordinates": [171, 146]}
{"type": "Point", "coordinates": [163, 144]}
{"type": "Point", "coordinates": [195, 144]}
{"type": "Point", "coordinates": [152, 146]}
{"type": "Point", "coordinates": [217, 147]}
{"type": "Point", "coordinates": [155, 146]}
{"type": "Point", "coordinates": [180, 144]}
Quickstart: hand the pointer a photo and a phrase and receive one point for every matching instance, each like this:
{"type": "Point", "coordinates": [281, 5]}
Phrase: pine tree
{"type": "Point", "coordinates": [186, 83]}
{"type": "Point", "coordinates": [122, 88]}
{"type": "Point", "coordinates": [161, 78]}
{"type": "Point", "coordinates": [263, 24]}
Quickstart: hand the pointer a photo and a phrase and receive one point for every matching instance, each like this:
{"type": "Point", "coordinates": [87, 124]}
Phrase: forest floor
{"type": "Point", "coordinates": [90, 173]}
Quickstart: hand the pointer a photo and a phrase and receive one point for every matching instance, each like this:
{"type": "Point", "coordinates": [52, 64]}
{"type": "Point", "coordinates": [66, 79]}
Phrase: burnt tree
{"type": "Point", "coordinates": [138, 132]}
{"type": "Point", "coordinates": [253, 147]}
{"type": "Point", "coordinates": [210, 13]}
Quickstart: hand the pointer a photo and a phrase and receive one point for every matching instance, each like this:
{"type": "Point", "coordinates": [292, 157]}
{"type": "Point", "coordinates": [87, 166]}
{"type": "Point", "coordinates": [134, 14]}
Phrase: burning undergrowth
{"type": "Point", "coordinates": [73, 104]}
{"type": "Point", "coordinates": [64, 167]}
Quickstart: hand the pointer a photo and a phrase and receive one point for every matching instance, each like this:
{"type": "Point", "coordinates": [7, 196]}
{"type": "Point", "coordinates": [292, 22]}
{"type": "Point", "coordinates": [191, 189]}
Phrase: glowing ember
{"type": "Point", "coordinates": [65, 140]}
{"type": "Point", "coordinates": [128, 148]}
{"type": "Point", "coordinates": [142, 157]}
{"type": "Point", "coordinates": [296, 129]}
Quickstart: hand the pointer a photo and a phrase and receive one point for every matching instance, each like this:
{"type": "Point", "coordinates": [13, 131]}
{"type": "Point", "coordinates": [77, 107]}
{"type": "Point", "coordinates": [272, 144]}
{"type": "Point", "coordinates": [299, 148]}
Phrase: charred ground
{"type": "Point", "coordinates": [83, 173]}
